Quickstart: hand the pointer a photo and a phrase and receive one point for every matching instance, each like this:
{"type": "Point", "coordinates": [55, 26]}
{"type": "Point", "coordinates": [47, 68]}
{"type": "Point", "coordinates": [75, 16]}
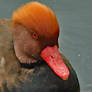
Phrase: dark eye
{"type": "Point", "coordinates": [35, 35]}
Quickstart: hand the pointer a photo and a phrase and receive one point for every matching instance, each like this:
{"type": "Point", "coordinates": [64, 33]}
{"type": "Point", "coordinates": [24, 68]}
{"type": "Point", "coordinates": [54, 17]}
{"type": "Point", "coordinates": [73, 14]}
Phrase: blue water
{"type": "Point", "coordinates": [75, 18]}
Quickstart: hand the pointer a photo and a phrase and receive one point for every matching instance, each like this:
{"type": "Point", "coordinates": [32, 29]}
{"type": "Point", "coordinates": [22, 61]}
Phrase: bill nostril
{"type": "Point", "coordinates": [52, 57]}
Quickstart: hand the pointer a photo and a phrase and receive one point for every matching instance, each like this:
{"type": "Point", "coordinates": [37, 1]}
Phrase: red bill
{"type": "Point", "coordinates": [52, 57]}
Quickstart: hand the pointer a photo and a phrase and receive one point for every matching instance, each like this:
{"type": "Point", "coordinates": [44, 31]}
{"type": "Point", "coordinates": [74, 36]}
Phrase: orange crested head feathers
{"type": "Point", "coordinates": [36, 16]}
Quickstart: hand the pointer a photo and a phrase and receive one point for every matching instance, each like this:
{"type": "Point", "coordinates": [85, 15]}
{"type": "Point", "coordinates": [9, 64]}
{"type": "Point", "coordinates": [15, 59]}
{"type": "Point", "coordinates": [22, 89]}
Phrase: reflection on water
{"type": "Point", "coordinates": [76, 37]}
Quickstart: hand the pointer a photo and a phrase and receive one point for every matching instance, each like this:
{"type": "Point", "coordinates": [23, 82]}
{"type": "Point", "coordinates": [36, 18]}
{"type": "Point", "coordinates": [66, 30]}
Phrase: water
{"type": "Point", "coordinates": [76, 35]}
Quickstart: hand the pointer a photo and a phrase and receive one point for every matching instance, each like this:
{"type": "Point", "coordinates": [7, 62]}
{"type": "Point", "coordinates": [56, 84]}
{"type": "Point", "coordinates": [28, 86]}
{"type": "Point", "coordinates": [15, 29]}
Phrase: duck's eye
{"type": "Point", "coordinates": [35, 35]}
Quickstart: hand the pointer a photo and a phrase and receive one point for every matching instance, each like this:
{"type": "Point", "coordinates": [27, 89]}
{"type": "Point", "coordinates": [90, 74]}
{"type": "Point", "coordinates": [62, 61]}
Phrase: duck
{"type": "Point", "coordinates": [35, 32]}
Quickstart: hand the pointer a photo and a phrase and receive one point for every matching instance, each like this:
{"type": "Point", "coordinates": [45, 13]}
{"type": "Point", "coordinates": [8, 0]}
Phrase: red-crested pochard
{"type": "Point", "coordinates": [35, 36]}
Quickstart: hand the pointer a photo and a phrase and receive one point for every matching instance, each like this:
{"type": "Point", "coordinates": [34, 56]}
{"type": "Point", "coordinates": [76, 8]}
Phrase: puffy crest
{"type": "Point", "coordinates": [37, 17]}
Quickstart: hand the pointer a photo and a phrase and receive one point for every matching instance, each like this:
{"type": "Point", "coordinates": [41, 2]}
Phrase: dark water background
{"type": "Point", "coordinates": [76, 35]}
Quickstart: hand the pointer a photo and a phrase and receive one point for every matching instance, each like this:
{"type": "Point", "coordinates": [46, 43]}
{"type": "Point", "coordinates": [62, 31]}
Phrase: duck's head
{"type": "Point", "coordinates": [35, 34]}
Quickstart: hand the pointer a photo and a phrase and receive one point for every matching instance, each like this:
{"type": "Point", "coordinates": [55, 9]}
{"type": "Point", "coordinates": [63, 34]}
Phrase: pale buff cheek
{"type": "Point", "coordinates": [26, 50]}
{"type": "Point", "coordinates": [32, 48]}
